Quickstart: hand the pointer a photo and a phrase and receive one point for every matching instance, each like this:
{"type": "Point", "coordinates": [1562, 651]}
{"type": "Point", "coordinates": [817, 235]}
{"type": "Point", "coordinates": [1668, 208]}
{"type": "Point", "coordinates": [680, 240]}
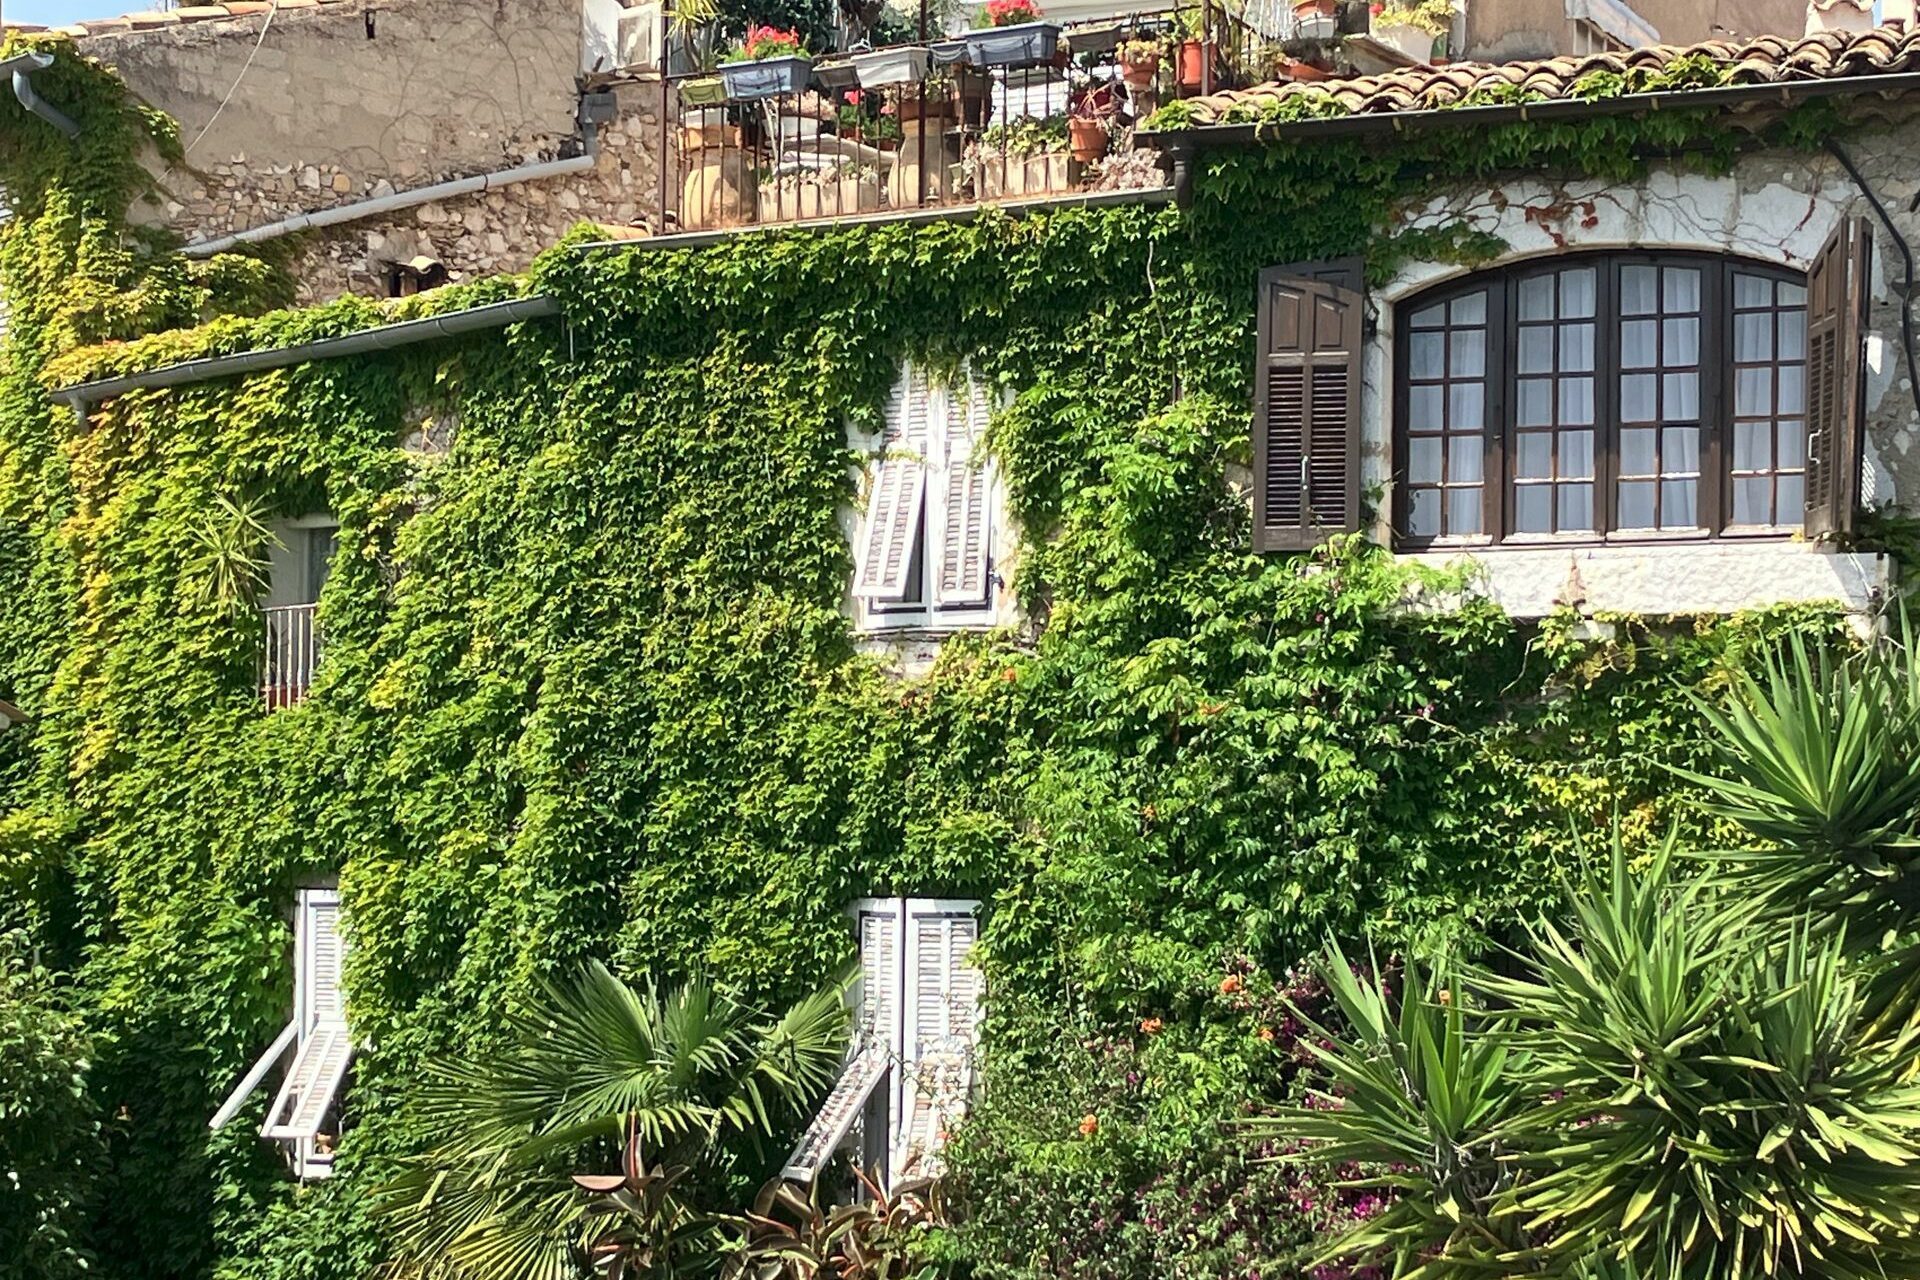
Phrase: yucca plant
{"type": "Point", "coordinates": [1418, 1090]}
{"type": "Point", "coordinates": [593, 1067]}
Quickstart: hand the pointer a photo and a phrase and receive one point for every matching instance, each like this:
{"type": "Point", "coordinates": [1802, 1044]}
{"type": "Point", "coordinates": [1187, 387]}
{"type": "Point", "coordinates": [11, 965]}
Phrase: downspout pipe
{"type": "Point", "coordinates": [582, 163]}
{"type": "Point", "coordinates": [23, 65]}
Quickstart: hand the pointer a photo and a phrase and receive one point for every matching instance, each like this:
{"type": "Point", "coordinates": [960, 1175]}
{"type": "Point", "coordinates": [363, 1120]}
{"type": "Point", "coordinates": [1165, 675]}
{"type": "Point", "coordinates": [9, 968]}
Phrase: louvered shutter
{"type": "Point", "coordinates": [942, 1016]}
{"type": "Point", "coordinates": [1837, 302]}
{"type": "Point", "coordinates": [898, 496]}
{"type": "Point", "coordinates": [876, 1042]}
{"type": "Point", "coordinates": [965, 518]}
{"type": "Point", "coordinates": [325, 1043]}
{"type": "Point", "coordinates": [1306, 412]}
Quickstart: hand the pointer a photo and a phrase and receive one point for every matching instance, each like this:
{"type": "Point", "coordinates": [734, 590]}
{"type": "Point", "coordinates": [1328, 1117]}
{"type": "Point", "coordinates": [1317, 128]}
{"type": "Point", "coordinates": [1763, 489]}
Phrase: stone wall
{"type": "Point", "coordinates": [1500, 30]}
{"type": "Point", "coordinates": [339, 101]}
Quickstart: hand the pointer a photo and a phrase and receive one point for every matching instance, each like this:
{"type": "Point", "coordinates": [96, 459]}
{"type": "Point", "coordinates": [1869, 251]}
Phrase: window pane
{"type": "Point", "coordinates": [1680, 342]}
{"type": "Point", "coordinates": [1637, 451]}
{"type": "Point", "coordinates": [1792, 295]}
{"type": "Point", "coordinates": [1536, 402]}
{"type": "Point", "coordinates": [1426, 408]}
{"type": "Point", "coordinates": [1534, 460]}
{"type": "Point", "coordinates": [1793, 389]}
{"type": "Point", "coordinates": [1679, 506]}
{"type": "Point", "coordinates": [1536, 348]}
{"type": "Point", "coordinates": [1639, 394]}
{"type": "Point", "coordinates": [1636, 504]}
{"type": "Point", "coordinates": [1576, 507]}
{"type": "Point", "coordinates": [1536, 298]}
{"type": "Point", "coordinates": [1638, 287]}
{"type": "Point", "coordinates": [1793, 335]}
{"type": "Point", "coordinates": [1577, 293]}
{"type": "Point", "coordinates": [1464, 460]}
{"type": "Point", "coordinates": [1471, 309]}
{"type": "Point", "coordinates": [1576, 454]}
{"type": "Point", "coordinates": [1467, 406]}
{"type": "Point", "coordinates": [1680, 394]}
{"type": "Point", "coordinates": [1753, 337]}
{"type": "Point", "coordinates": [1790, 503]}
{"type": "Point", "coordinates": [1753, 500]}
{"type": "Point", "coordinates": [1429, 317]}
{"type": "Point", "coordinates": [1426, 355]}
{"type": "Point", "coordinates": [1680, 451]}
{"type": "Point", "coordinates": [1423, 513]}
{"type": "Point", "coordinates": [1752, 291]}
{"type": "Point", "coordinates": [1576, 401]}
{"type": "Point", "coordinates": [1468, 350]}
{"type": "Point", "coordinates": [1792, 436]}
{"type": "Point", "coordinates": [1680, 288]}
{"type": "Point", "coordinates": [1463, 510]}
{"type": "Point", "coordinates": [1637, 344]}
{"type": "Point", "coordinates": [1576, 348]}
{"type": "Point", "coordinates": [1423, 460]}
{"type": "Point", "coordinates": [1533, 508]}
{"type": "Point", "coordinates": [1753, 392]}
{"type": "Point", "coordinates": [1752, 446]}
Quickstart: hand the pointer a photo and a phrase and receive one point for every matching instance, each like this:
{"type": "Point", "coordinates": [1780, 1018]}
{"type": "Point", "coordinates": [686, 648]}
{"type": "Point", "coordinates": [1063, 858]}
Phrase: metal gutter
{"type": "Point", "coordinates": [911, 218]}
{"type": "Point", "coordinates": [594, 113]}
{"type": "Point", "coordinates": [1172, 141]}
{"type": "Point", "coordinates": [22, 66]}
{"type": "Point", "coordinates": [493, 315]}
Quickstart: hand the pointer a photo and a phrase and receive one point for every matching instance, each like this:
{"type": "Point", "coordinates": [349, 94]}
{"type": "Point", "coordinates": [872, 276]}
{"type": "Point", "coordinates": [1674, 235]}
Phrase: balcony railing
{"type": "Point", "coordinates": [981, 116]}
{"type": "Point", "coordinates": [292, 653]}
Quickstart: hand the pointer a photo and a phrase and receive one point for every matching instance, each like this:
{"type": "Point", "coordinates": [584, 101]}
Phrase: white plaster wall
{"type": "Point", "coordinates": [1774, 207]}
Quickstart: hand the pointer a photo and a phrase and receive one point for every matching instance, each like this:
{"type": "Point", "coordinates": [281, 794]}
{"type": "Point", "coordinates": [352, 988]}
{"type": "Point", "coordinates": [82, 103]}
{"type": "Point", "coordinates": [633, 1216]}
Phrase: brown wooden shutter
{"type": "Point", "coordinates": [1837, 302]}
{"type": "Point", "coordinates": [1306, 404]}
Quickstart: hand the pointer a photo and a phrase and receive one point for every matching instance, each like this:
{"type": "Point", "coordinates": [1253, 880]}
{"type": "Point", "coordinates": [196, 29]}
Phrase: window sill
{"type": "Point", "coordinates": [1669, 578]}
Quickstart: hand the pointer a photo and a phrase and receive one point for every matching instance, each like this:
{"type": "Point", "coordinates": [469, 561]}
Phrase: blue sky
{"type": "Point", "coordinates": [55, 13]}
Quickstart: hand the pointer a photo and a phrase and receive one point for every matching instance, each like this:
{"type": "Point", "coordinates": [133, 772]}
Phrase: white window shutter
{"type": "Point", "coordinates": [965, 516]}
{"type": "Point", "coordinates": [892, 527]}
{"type": "Point", "coordinates": [325, 1043]}
{"type": "Point", "coordinates": [837, 1114]}
{"type": "Point", "coordinates": [943, 995]}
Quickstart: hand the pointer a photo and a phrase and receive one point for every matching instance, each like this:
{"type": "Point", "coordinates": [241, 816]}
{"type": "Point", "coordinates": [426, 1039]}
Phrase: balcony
{"type": "Point", "coordinates": [1035, 108]}
{"type": "Point", "coordinates": [292, 652]}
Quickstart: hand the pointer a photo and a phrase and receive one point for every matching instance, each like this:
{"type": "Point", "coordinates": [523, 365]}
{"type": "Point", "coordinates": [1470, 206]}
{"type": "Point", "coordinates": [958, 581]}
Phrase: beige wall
{"type": "Point", "coordinates": [1504, 30]}
{"type": "Point", "coordinates": [327, 116]}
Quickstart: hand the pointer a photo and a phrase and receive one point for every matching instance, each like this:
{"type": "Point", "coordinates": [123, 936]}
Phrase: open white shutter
{"type": "Point", "coordinates": [325, 1043]}
{"type": "Point", "coordinates": [876, 1039]}
{"type": "Point", "coordinates": [892, 527]}
{"type": "Point", "coordinates": [965, 521]}
{"type": "Point", "coordinates": [942, 1015]}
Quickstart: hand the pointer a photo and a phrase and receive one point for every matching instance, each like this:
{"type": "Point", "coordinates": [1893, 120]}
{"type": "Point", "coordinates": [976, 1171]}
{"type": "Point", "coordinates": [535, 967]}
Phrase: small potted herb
{"type": "Point", "coordinates": [1026, 157]}
{"type": "Point", "coordinates": [768, 63]}
{"type": "Point", "coordinates": [1011, 34]}
{"type": "Point", "coordinates": [1412, 27]}
{"type": "Point", "coordinates": [1139, 61]}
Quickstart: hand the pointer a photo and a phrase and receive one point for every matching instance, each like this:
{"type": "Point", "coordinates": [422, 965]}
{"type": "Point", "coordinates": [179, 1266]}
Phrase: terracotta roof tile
{"type": "Point", "coordinates": [184, 15]}
{"type": "Point", "coordinates": [1764, 60]}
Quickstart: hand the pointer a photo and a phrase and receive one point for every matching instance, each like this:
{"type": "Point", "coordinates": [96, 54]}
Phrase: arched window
{"type": "Point", "coordinates": [1603, 397]}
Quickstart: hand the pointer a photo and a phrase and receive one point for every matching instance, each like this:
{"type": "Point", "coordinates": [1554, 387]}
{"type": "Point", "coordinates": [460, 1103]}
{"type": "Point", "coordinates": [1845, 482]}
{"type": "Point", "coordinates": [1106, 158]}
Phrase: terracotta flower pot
{"type": "Point", "coordinates": [1194, 57]}
{"type": "Point", "coordinates": [1088, 139]}
{"type": "Point", "coordinates": [1140, 72]}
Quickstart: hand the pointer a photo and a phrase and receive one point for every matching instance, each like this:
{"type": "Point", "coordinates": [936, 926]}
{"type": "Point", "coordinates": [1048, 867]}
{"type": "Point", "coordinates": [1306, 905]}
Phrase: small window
{"type": "Point", "coordinates": [1609, 397]}
{"type": "Point", "coordinates": [909, 1073]}
{"type": "Point", "coordinates": [925, 554]}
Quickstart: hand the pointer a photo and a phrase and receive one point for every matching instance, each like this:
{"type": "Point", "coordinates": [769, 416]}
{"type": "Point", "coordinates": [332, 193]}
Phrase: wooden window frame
{"type": "Point", "coordinates": [1716, 401]}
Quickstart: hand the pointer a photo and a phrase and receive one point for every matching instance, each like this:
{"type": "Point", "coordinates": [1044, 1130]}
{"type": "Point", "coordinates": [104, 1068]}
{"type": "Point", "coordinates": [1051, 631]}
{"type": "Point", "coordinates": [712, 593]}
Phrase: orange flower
{"type": "Point", "coordinates": [1089, 1123]}
{"type": "Point", "coordinates": [1266, 1034]}
{"type": "Point", "coordinates": [1151, 1026]}
{"type": "Point", "coordinates": [1230, 984]}
{"type": "Point", "coordinates": [1010, 674]}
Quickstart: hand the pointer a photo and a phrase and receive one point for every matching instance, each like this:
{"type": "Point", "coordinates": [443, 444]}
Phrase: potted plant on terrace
{"type": "Point", "coordinates": [767, 63]}
{"type": "Point", "coordinates": [1090, 123]}
{"type": "Point", "coordinates": [1010, 33]}
{"type": "Point", "coordinates": [1026, 157]}
{"type": "Point", "coordinates": [1413, 27]}
{"type": "Point", "coordinates": [1139, 61]}
{"type": "Point", "coordinates": [1197, 49]}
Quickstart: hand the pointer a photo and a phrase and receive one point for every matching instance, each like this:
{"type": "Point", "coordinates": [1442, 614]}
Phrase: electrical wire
{"type": "Point", "coordinates": [235, 86]}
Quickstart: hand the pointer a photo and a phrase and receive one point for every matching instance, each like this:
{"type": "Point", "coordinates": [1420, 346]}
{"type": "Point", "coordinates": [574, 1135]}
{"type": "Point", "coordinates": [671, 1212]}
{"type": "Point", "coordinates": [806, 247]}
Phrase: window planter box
{"type": "Point", "coordinates": [767, 78]}
{"type": "Point", "coordinates": [706, 91]}
{"type": "Point", "coordinates": [1101, 39]}
{"type": "Point", "coordinates": [1412, 42]}
{"type": "Point", "coordinates": [1036, 173]}
{"type": "Point", "coordinates": [841, 73]}
{"type": "Point", "coordinates": [822, 195]}
{"type": "Point", "coordinates": [891, 66]}
{"type": "Point", "coordinates": [948, 52]}
{"type": "Point", "coordinates": [1026, 44]}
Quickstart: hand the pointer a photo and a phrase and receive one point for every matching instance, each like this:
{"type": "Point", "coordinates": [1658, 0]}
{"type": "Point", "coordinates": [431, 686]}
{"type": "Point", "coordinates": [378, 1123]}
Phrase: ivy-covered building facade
{"type": "Point", "coordinates": [1061, 616]}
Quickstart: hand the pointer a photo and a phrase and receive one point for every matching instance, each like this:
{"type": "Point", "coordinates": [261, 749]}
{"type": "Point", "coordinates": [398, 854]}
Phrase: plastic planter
{"type": "Point", "coordinates": [706, 91]}
{"type": "Point", "coordinates": [1409, 42]}
{"type": "Point", "coordinates": [1026, 44]}
{"type": "Point", "coordinates": [767, 78]}
{"type": "Point", "coordinates": [836, 75]}
{"type": "Point", "coordinates": [906, 65]}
